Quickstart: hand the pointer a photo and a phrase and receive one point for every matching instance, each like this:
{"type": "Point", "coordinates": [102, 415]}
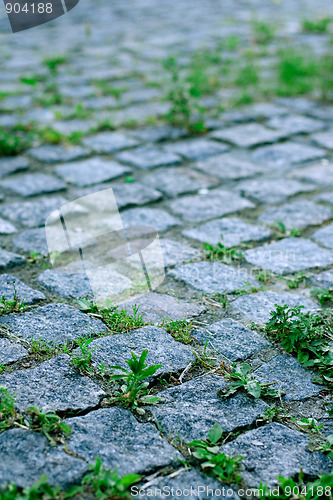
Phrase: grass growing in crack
{"type": "Point", "coordinates": [323, 295]}
{"type": "Point", "coordinates": [48, 423]}
{"type": "Point", "coordinates": [296, 281]}
{"type": "Point", "coordinates": [280, 231]}
{"type": "Point", "coordinates": [212, 462]}
{"type": "Point", "coordinates": [8, 413]}
{"type": "Point", "coordinates": [316, 26]}
{"type": "Point", "coordinates": [222, 253]}
{"type": "Point", "coordinates": [13, 142]}
{"type": "Point", "coordinates": [179, 329]}
{"type": "Point", "coordinates": [263, 32]}
{"type": "Point", "coordinates": [133, 390]}
{"type": "Point", "coordinates": [11, 306]}
{"type": "Point", "coordinates": [82, 361]}
{"type": "Point", "coordinates": [298, 489]}
{"type": "Point", "coordinates": [241, 379]}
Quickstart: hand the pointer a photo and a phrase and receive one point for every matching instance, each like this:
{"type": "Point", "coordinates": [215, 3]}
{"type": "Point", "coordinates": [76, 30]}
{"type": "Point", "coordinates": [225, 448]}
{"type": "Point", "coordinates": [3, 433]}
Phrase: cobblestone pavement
{"type": "Point", "coordinates": [258, 164]}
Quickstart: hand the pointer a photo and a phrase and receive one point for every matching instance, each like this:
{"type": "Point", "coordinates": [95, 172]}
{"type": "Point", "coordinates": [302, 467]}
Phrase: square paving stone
{"type": "Point", "coordinates": [69, 285]}
{"type": "Point", "coordinates": [320, 174]}
{"type": "Point", "coordinates": [158, 133]}
{"type": "Point", "coordinates": [34, 184]}
{"type": "Point", "coordinates": [230, 231]}
{"type": "Point", "coordinates": [53, 323]}
{"type": "Point", "coordinates": [122, 443]}
{"type": "Point", "coordinates": [156, 306]}
{"type": "Point", "coordinates": [12, 165]}
{"type": "Point", "coordinates": [197, 149]}
{"type": "Point", "coordinates": [249, 135]}
{"type": "Point", "coordinates": [323, 280]}
{"type": "Point", "coordinates": [53, 385]}
{"type": "Point", "coordinates": [258, 306]}
{"type": "Point", "coordinates": [32, 241]}
{"type": "Point", "coordinates": [162, 349]}
{"type": "Point", "coordinates": [109, 142]}
{"type": "Point", "coordinates": [212, 277]}
{"type": "Point", "coordinates": [232, 339]}
{"type": "Point", "coordinates": [9, 352]}
{"type": "Point", "coordinates": [11, 287]}
{"type": "Point", "coordinates": [273, 190]}
{"type": "Point", "coordinates": [325, 235]}
{"type": "Point", "coordinates": [32, 213]}
{"type": "Point", "coordinates": [8, 260]}
{"type": "Point", "coordinates": [26, 455]}
{"type": "Point", "coordinates": [174, 182]}
{"type": "Point", "coordinates": [286, 154]}
{"type": "Point", "coordinates": [6, 227]}
{"type": "Point", "coordinates": [298, 214]}
{"type": "Point", "coordinates": [324, 139]}
{"type": "Point", "coordinates": [175, 252]}
{"type": "Point", "coordinates": [147, 157]}
{"type": "Point", "coordinates": [291, 377]}
{"type": "Point", "coordinates": [48, 153]}
{"type": "Point", "coordinates": [149, 217]}
{"type": "Point", "coordinates": [189, 410]}
{"type": "Point", "coordinates": [228, 167]}
{"type": "Point", "coordinates": [214, 204]}
{"type": "Point", "coordinates": [296, 124]}
{"type": "Point", "coordinates": [275, 450]}
{"type": "Point", "coordinates": [92, 171]}
{"type": "Point", "coordinates": [289, 255]}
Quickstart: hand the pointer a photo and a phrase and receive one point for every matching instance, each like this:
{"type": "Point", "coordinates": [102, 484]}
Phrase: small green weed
{"type": "Point", "coordinates": [82, 361]}
{"type": "Point", "coordinates": [296, 281]}
{"type": "Point", "coordinates": [263, 32]}
{"type": "Point", "coordinates": [323, 296]}
{"type": "Point", "coordinates": [49, 424]}
{"type": "Point", "coordinates": [317, 26]}
{"type": "Point", "coordinates": [13, 142]}
{"type": "Point", "coordinates": [179, 329]}
{"type": "Point", "coordinates": [8, 413]}
{"type": "Point", "coordinates": [222, 253]}
{"type": "Point", "coordinates": [308, 424]}
{"type": "Point", "coordinates": [11, 306]}
{"type": "Point", "coordinates": [2, 368]}
{"type": "Point", "coordinates": [297, 73]}
{"type": "Point", "coordinates": [52, 63]}
{"type": "Point", "coordinates": [324, 444]}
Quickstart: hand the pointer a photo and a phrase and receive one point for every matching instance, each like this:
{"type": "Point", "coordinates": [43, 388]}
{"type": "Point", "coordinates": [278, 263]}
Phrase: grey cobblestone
{"type": "Point", "coordinates": [286, 154]}
{"type": "Point", "coordinates": [32, 213]}
{"type": "Point", "coordinates": [197, 149]}
{"type": "Point", "coordinates": [10, 352]}
{"type": "Point", "coordinates": [56, 154]}
{"type": "Point", "coordinates": [33, 184]}
{"type": "Point", "coordinates": [273, 190]}
{"type": "Point", "coordinates": [8, 260]}
{"type": "Point", "coordinates": [325, 236]}
{"type": "Point", "coordinates": [147, 157]}
{"type": "Point", "coordinates": [229, 166]}
{"type": "Point", "coordinates": [12, 165]}
{"type": "Point", "coordinates": [11, 287]}
{"type": "Point", "coordinates": [298, 214]}
{"type": "Point", "coordinates": [92, 171]}
{"type": "Point", "coordinates": [247, 136]}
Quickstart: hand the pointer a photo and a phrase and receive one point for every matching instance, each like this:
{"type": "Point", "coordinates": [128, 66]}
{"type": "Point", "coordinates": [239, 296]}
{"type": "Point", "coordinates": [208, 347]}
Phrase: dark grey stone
{"type": "Point", "coordinates": [289, 255]}
{"type": "Point", "coordinates": [25, 456]}
{"type": "Point", "coordinates": [92, 171]}
{"type": "Point", "coordinates": [9, 352]}
{"type": "Point", "coordinates": [57, 154]}
{"type": "Point", "coordinates": [175, 252]}
{"type": "Point", "coordinates": [53, 385]}
{"type": "Point", "coordinates": [149, 217]}
{"type": "Point", "coordinates": [158, 133]}
{"type": "Point", "coordinates": [6, 227]}
{"type": "Point", "coordinates": [34, 184]}
{"type": "Point", "coordinates": [12, 164]}
{"type": "Point", "coordinates": [234, 231]}
{"type": "Point", "coordinates": [69, 285]}
{"type": "Point", "coordinates": [162, 349]}
{"type": "Point", "coordinates": [325, 235]}
{"type": "Point", "coordinates": [295, 124]}
{"type": "Point", "coordinates": [228, 167]}
{"type": "Point", "coordinates": [120, 441]}
{"type": "Point", "coordinates": [146, 157]}
{"type": "Point", "coordinates": [212, 277]}
{"type": "Point", "coordinates": [109, 142]}
{"type": "Point", "coordinates": [232, 339]}
{"type": "Point", "coordinates": [174, 182]}
{"type": "Point", "coordinates": [275, 450]}
{"type": "Point", "coordinates": [258, 306]}
{"type": "Point", "coordinates": [11, 287]}
{"type": "Point", "coordinates": [249, 135]}
{"type": "Point", "coordinates": [323, 280]}
{"type": "Point", "coordinates": [32, 241]}
{"type": "Point", "coordinates": [210, 205]}
{"type": "Point", "coordinates": [324, 139]}
{"type": "Point", "coordinates": [286, 154]}
{"type": "Point", "coordinates": [290, 376]}
{"type": "Point", "coordinates": [191, 409]}
{"type": "Point", "coordinates": [32, 213]}
{"type": "Point", "coordinates": [9, 259]}
{"type": "Point", "coordinates": [53, 323]}
{"type": "Point", "coordinates": [197, 149]}
{"type": "Point", "coordinates": [320, 174]}
{"type": "Point", "coordinates": [297, 214]}
{"type": "Point", "coordinates": [155, 307]}
{"type": "Point", "coordinates": [273, 190]}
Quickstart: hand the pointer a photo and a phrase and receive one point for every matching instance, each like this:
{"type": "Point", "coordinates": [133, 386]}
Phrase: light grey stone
{"type": "Point", "coordinates": [213, 277]}
{"type": "Point", "coordinates": [232, 339]}
{"type": "Point", "coordinates": [249, 135]}
{"type": "Point", "coordinates": [229, 231]}
{"type": "Point", "coordinates": [228, 167]}
{"type": "Point", "coordinates": [53, 385]}
{"type": "Point", "coordinates": [272, 190]}
{"type": "Point", "coordinates": [325, 197]}
{"type": "Point", "coordinates": [158, 133]}
{"type": "Point", "coordinates": [289, 255]}
{"type": "Point", "coordinates": [162, 349]}
{"type": "Point", "coordinates": [9, 352]}
{"type": "Point", "coordinates": [131, 447]}
{"type": "Point", "coordinates": [197, 149]}
{"type": "Point", "coordinates": [8, 260]}
{"type": "Point", "coordinates": [69, 285]}
{"type": "Point", "coordinates": [323, 280]}
{"type": "Point", "coordinates": [135, 193]}
{"type": "Point", "coordinates": [92, 171]}
{"type": "Point", "coordinates": [298, 214]}
{"type": "Point", "coordinates": [175, 252]}
{"type": "Point", "coordinates": [258, 306]}
{"type": "Point", "coordinates": [320, 174]}
{"type": "Point", "coordinates": [291, 378]}
{"type": "Point", "coordinates": [11, 165]}
{"type": "Point", "coordinates": [149, 217]}
{"type": "Point", "coordinates": [11, 287]}
{"type": "Point", "coordinates": [109, 142]}
{"type": "Point", "coordinates": [156, 307]}
{"type": "Point", "coordinates": [48, 153]}
{"type": "Point", "coordinates": [54, 324]}
{"type": "Point", "coordinates": [189, 410]}
{"type": "Point", "coordinates": [295, 124]}
{"type": "Point", "coordinates": [32, 241]}
{"type": "Point", "coordinates": [146, 157]}
{"type": "Point", "coordinates": [286, 154]}
{"type": "Point", "coordinates": [275, 450]}
{"type": "Point", "coordinates": [32, 213]}
{"type": "Point", "coordinates": [6, 227]}
{"type": "Point", "coordinates": [174, 182]}
{"type": "Point", "coordinates": [26, 455]}
{"type": "Point", "coordinates": [68, 127]}
{"type": "Point", "coordinates": [33, 184]}
{"type": "Point", "coordinates": [325, 235]}
{"type": "Point", "coordinates": [324, 139]}
{"type": "Point", "coordinates": [214, 204]}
